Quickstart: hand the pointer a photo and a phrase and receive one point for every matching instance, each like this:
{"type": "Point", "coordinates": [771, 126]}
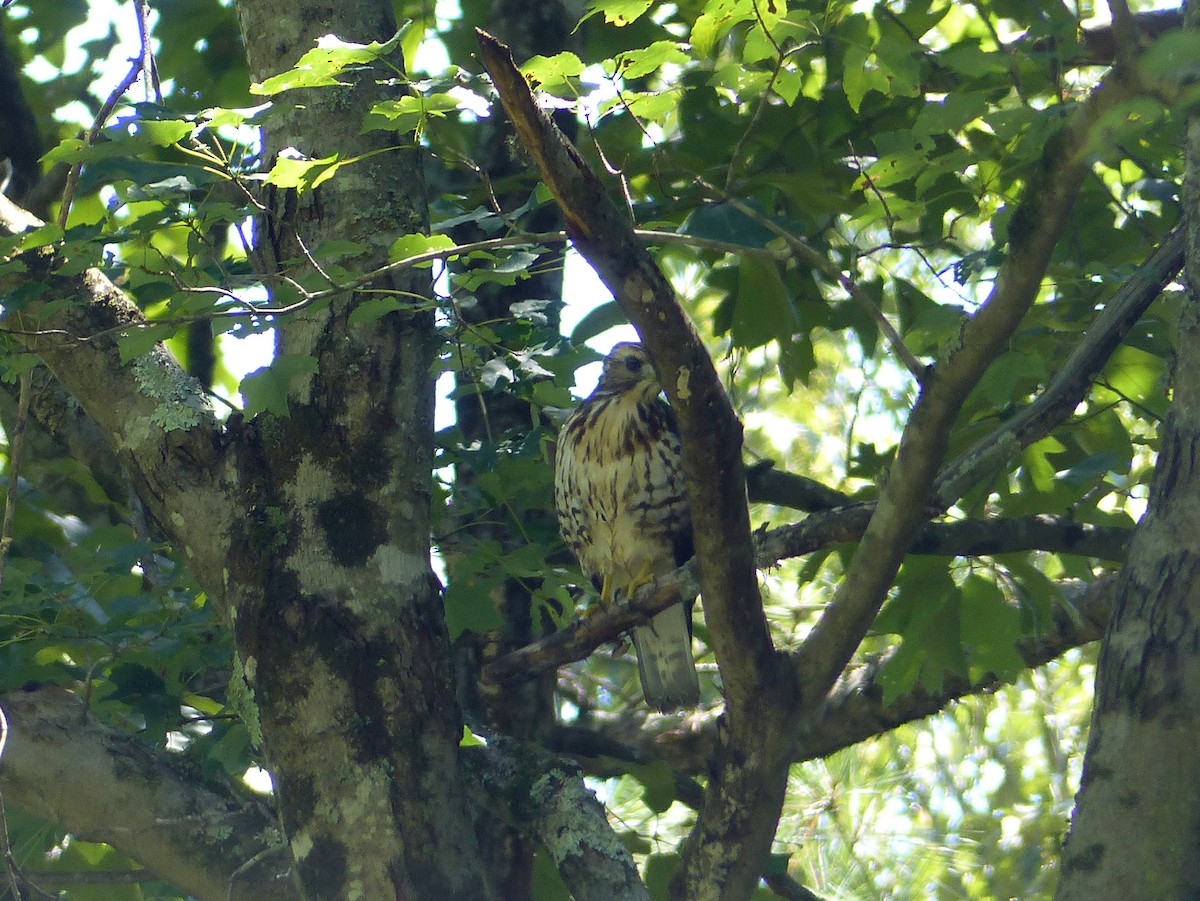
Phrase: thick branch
{"type": "Point", "coordinates": [604, 757]}
{"type": "Point", "coordinates": [1033, 233]}
{"type": "Point", "coordinates": [20, 141]}
{"type": "Point", "coordinates": [711, 432]}
{"type": "Point", "coordinates": [61, 764]}
{"type": "Point", "coordinates": [150, 412]}
{"type": "Point", "coordinates": [1102, 42]}
{"type": "Point", "coordinates": [856, 711]}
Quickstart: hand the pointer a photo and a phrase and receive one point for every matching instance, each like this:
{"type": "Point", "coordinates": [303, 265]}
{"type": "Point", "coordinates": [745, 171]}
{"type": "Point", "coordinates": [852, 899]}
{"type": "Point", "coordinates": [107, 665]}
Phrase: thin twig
{"type": "Point", "coordinates": [139, 63]}
{"type": "Point", "coordinates": [149, 64]}
{"type": "Point", "coordinates": [810, 257]}
{"type": "Point", "coordinates": [16, 445]}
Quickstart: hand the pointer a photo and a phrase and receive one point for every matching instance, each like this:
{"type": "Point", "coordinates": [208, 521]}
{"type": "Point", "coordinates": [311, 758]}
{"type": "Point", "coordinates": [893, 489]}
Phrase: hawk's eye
{"type": "Point", "coordinates": [633, 364]}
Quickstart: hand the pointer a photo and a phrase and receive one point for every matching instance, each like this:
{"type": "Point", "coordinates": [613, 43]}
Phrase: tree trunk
{"type": "Point", "coordinates": [1142, 756]}
{"type": "Point", "coordinates": [337, 616]}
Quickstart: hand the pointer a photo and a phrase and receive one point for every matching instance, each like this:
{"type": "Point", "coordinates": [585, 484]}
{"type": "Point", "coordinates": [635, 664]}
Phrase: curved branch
{"type": "Point", "coordinates": [856, 710]}
{"type": "Point", "coordinates": [766, 484]}
{"type": "Point", "coordinates": [59, 763]}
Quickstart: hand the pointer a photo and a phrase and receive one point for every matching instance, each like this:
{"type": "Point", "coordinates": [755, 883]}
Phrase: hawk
{"type": "Point", "coordinates": [622, 506]}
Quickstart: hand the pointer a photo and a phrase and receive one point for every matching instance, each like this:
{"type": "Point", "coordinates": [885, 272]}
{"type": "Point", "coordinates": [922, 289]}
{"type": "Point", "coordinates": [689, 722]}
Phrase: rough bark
{"type": "Point", "coordinates": [500, 420]}
{"type": "Point", "coordinates": [338, 617]}
{"type": "Point", "coordinates": [1142, 753]}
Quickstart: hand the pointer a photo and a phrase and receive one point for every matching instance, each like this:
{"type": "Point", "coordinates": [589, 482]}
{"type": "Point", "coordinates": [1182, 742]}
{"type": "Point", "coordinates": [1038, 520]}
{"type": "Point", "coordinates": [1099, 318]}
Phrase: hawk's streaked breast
{"type": "Point", "coordinates": [622, 505]}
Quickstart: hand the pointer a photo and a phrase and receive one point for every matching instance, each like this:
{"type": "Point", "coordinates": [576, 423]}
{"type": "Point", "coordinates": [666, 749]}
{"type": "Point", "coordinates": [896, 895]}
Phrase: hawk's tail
{"type": "Point", "coordinates": [664, 653]}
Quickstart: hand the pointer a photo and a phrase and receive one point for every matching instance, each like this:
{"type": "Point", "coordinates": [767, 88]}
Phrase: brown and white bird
{"type": "Point", "coordinates": [622, 506]}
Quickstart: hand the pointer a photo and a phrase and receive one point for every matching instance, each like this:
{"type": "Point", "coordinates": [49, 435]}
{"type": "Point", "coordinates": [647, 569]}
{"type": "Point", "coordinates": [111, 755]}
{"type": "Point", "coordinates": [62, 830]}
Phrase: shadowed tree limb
{"type": "Point", "coordinates": [152, 414]}
{"type": "Point", "coordinates": [546, 799]}
{"type": "Point", "coordinates": [968, 538]}
{"type": "Point", "coordinates": [768, 485]}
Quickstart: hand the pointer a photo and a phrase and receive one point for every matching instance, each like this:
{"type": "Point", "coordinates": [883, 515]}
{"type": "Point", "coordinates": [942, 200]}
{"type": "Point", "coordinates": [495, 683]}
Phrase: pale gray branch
{"type": "Point", "coordinates": [101, 785]}
{"type": "Point", "coordinates": [545, 797]}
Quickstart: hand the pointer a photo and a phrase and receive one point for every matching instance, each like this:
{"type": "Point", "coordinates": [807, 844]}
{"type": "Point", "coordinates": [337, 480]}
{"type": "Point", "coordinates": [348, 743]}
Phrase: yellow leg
{"type": "Point", "coordinates": [642, 578]}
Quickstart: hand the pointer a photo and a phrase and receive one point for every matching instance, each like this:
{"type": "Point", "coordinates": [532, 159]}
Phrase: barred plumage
{"type": "Point", "coordinates": [622, 505]}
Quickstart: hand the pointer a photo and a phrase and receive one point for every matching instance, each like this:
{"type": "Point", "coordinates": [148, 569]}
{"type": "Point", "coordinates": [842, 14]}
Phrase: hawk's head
{"type": "Point", "coordinates": [627, 368]}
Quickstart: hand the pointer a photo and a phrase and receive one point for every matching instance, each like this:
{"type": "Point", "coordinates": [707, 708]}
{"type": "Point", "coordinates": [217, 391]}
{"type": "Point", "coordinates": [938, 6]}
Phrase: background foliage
{"type": "Point", "coordinates": [893, 138]}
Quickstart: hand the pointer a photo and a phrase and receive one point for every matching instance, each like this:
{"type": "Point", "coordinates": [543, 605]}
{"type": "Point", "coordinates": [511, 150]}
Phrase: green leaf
{"type": "Point", "coordinates": [617, 12]}
{"type": "Point", "coordinates": [164, 133]}
{"type": "Point", "coordinates": [408, 112]}
{"type": "Point", "coordinates": [469, 606]}
{"type": "Point", "coordinates": [291, 171]}
{"type": "Point", "coordinates": [599, 318]}
{"type": "Point", "coordinates": [217, 117]}
{"type": "Point", "coordinates": [550, 72]}
{"type": "Point", "coordinates": [547, 883]}
{"type": "Point", "coordinates": [660, 869]}
{"type": "Point", "coordinates": [1037, 465]}
{"type": "Point", "coordinates": [470, 739]}
{"type": "Point", "coordinates": [134, 343]}
{"type": "Point", "coordinates": [414, 245]}
{"type": "Point", "coordinates": [374, 308]}
{"type": "Point", "coordinates": [1010, 370]}
{"type": "Point", "coordinates": [647, 60]}
{"type": "Point", "coordinates": [857, 78]}
{"type": "Point", "coordinates": [651, 105]}
{"type": "Point", "coordinates": [1136, 375]}
{"type": "Point", "coordinates": [658, 784]}
{"type": "Point", "coordinates": [266, 389]}
{"type": "Point", "coordinates": [321, 66]}
{"type": "Point", "coordinates": [1172, 56]}
{"type": "Point", "coordinates": [990, 629]}
{"type": "Point", "coordinates": [725, 222]}
{"type": "Point", "coordinates": [763, 310]}
{"type": "Point", "coordinates": [718, 18]}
